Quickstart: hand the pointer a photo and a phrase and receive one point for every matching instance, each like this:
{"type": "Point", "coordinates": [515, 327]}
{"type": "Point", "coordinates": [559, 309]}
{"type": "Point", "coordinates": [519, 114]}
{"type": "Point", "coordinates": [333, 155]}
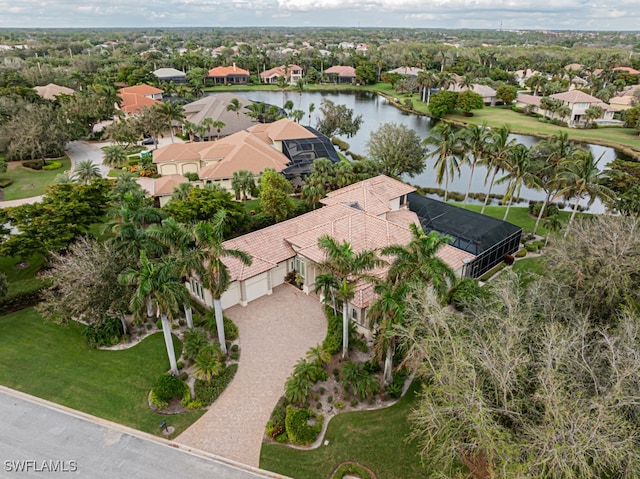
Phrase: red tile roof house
{"type": "Point", "coordinates": [341, 74]}
{"type": "Point", "coordinates": [291, 73]}
{"type": "Point", "coordinates": [577, 101]}
{"type": "Point", "coordinates": [232, 75]}
{"type": "Point", "coordinates": [371, 214]}
{"type": "Point", "coordinates": [135, 98]}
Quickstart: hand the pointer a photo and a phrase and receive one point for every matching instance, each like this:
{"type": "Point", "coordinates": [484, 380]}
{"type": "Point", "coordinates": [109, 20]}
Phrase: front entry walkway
{"type": "Point", "coordinates": [275, 332]}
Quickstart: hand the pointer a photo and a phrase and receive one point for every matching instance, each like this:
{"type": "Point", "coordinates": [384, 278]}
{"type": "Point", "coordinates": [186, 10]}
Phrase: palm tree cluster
{"type": "Point", "coordinates": [556, 166]}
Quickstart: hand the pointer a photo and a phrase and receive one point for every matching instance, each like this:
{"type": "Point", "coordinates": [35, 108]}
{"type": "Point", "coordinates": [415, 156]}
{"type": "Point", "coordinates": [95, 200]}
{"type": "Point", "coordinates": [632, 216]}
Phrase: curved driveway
{"type": "Point", "coordinates": [275, 332]}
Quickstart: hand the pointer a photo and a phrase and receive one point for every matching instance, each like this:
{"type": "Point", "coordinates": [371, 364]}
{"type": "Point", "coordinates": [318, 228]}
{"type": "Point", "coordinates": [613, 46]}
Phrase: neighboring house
{"type": "Point", "coordinates": [487, 93]}
{"type": "Point", "coordinates": [279, 145]}
{"type": "Point", "coordinates": [577, 83]}
{"type": "Point", "coordinates": [371, 214]}
{"type": "Point", "coordinates": [135, 98]}
{"type": "Point", "coordinates": [528, 102]}
{"type": "Point", "coordinates": [521, 76]}
{"type": "Point", "coordinates": [215, 107]}
{"type": "Point", "coordinates": [341, 74]}
{"type": "Point", "coordinates": [579, 102]}
{"type": "Point", "coordinates": [161, 189]}
{"type": "Point", "coordinates": [51, 91]}
{"type": "Point", "coordinates": [407, 71]}
{"type": "Point", "coordinates": [170, 75]}
{"type": "Point", "coordinates": [232, 75]}
{"type": "Point", "coordinates": [291, 73]}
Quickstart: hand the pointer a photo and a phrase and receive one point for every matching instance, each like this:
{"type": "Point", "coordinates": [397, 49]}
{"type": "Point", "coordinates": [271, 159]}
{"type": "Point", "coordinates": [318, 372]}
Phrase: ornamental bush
{"type": "Point", "coordinates": [52, 165]}
{"type": "Point", "coordinates": [167, 387]}
{"type": "Point", "coordinates": [302, 425]}
{"type": "Point", "coordinates": [207, 392]}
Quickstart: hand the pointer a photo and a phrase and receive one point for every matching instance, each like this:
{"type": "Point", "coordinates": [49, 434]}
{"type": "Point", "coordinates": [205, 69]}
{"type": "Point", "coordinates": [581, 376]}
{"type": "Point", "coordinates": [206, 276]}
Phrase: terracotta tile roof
{"type": "Point", "coordinates": [141, 90]}
{"type": "Point", "coordinates": [51, 91]}
{"type": "Point", "coordinates": [241, 151]}
{"type": "Point", "coordinates": [132, 102]}
{"type": "Point", "coordinates": [575, 96]}
{"type": "Point", "coordinates": [342, 71]}
{"type": "Point", "coordinates": [215, 107]}
{"type": "Point", "coordinates": [279, 71]}
{"type": "Point", "coordinates": [529, 100]}
{"type": "Point", "coordinates": [161, 186]}
{"type": "Point", "coordinates": [283, 129]}
{"type": "Point", "coordinates": [180, 151]}
{"type": "Point", "coordinates": [226, 71]}
{"type": "Point", "coordinates": [629, 70]}
{"type": "Point", "coordinates": [372, 195]}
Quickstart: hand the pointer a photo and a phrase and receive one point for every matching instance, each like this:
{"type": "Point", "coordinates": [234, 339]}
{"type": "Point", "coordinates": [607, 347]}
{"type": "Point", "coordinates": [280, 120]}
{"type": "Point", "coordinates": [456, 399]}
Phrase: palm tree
{"type": "Point", "coordinates": [499, 149]}
{"type": "Point", "coordinates": [218, 125]}
{"type": "Point", "coordinates": [215, 275]}
{"type": "Point", "coordinates": [85, 171]}
{"type": "Point", "coordinates": [297, 115]}
{"type": "Point", "coordinates": [417, 264]}
{"type": "Point", "coordinates": [426, 81]}
{"type": "Point", "coordinates": [115, 156]}
{"type": "Point", "coordinates": [170, 112]}
{"type": "Point", "coordinates": [582, 177]}
{"type": "Point", "coordinates": [474, 141]}
{"type": "Point", "coordinates": [385, 314]}
{"type": "Point", "coordinates": [236, 106]}
{"type": "Point", "coordinates": [312, 108]}
{"type": "Point", "coordinates": [447, 150]}
{"type": "Point", "coordinates": [518, 166]}
{"type": "Point", "coordinates": [346, 266]}
{"type": "Point", "coordinates": [327, 284]}
{"type": "Point", "coordinates": [208, 124]}
{"type": "Point", "coordinates": [158, 283]}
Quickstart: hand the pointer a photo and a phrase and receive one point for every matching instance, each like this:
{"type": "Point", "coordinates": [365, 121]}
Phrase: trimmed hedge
{"type": "Point", "coordinates": [207, 392]}
{"type": "Point", "coordinates": [52, 165]}
{"type": "Point", "coordinates": [4, 182]}
{"type": "Point", "coordinates": [297, 425]}
{"type": "Point", "coordinates": [22, 295]}
{"type": "Point", "coordinates": [493, 271]}
{"type": "Point", "coordinates": [167, 387]}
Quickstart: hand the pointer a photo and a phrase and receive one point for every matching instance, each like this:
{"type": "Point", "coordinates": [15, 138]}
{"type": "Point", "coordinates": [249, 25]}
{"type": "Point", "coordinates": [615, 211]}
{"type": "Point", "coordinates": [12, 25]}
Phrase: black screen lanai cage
{"type": "Point", "coordinates": [488, 239]}
{"type": "Point", "coordinates": [303, 152]}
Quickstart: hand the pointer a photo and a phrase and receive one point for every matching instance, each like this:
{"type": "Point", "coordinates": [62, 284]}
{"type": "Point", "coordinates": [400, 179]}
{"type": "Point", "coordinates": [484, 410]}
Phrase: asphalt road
{"type": "Point", "coordinates": [40, 439]}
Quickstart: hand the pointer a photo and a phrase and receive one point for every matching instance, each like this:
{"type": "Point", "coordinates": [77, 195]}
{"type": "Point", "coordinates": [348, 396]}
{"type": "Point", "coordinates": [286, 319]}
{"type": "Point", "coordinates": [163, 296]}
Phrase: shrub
{"type": "Point", "coordinates": [191, 176]}
{"type": "Point", "coordinates": [394, 390]}
{"type": "Point", "coordinates": [52, 165]}
{"type": "Point", "coordinates": [104, 333]}
{"type": "Point", "coordinates": [522, 253]}
{"type": "Point", "coordinates": [497, 268]}
{"type": "Point", "coordinates": [28, 295]}
{"type": "Point", "coordinates": [509, 259]}
{"type": "Point", "coordinates": [339, 404]}
{"type": "Point", "coordinates": [180, 365]}
{"type": "Point", "coordinates": [234, 348]}
{"type": "Point", "coordinates": [276, 425]}
{"type": "Point", "coordinates": [194, 341]}
{"type": "Point", "coordinates": [230, 329]}
{"type": "Point", "coordinates": [4, 182]}
{"type": "Point", "coordinates": [550, 210]}
{"type": "Point", "coordinates": [183, 376]}
{"type": "Point", "coordinates": [297, 426]}
{"type": "Point", "coordinates": [342, 145]}
{"type": "Point", "coordinates": [209, 392]}
{"type": "Point", "coordinates": [157, 403]}
{"type": "Point", "coordinates": [194, 405]}
{"type": "Point", "coordinates": [465, 292]}
{"type": "Point", "coordinates": [167, 387]}
{"type": "Point", "coordinates": [351, 470]}
{"type": "Point", "coordinates": [33, 165]}
{"type": "Point", "coordinates": [209, 363]}
{"type": "Point", "coordinates": [360, 381]}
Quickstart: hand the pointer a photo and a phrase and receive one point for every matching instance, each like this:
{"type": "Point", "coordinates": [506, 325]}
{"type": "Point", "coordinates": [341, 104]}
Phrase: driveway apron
{"type": "Point", "coordinates": [275, 332]}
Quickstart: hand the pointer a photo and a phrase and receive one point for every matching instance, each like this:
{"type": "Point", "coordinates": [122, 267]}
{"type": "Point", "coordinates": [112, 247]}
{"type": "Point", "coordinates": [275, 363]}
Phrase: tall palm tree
{"type": "Point", "coordinates": [346, 266]}
{"type": "Point", "coordinates": [158, 283]}
{"type": "Point", "coordinates": [215, 275]}
{"type": "Point", "coordinates": [417, 263]}
{"type": "Point", "coordinates": [385, 313]}
{"type": "Point", "coordinates": [312, 108]}
{"type": "Point", "coordinates": [170, 112]}
{"type": "Point", "coordinates": [499, 149]}
{"type": "Point", "coordinates": [236, 106]}
{"type": "Point", "coordinates": [115, 156]}
{"type": "Point", "coordinates": [85, 171]}
{"type": "Point", "coordinates": [518, 167]}
{"type": "Point", "coordinates": [447, 149]}
{"type": "Point", "coordinates": [218, 125]}
{"type": "Point", "coordinates": [426, 79]}
{"type": "Point", "coordinates": [242, 183]}
{"type": "Point", "coordinates": [582, 177]}
{"type": "Point", "coordinates": [208, 124]}
{"type": "Point", "coordinates": [474, 144]}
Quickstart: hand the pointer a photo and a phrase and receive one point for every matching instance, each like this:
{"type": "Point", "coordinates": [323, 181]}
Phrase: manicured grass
{"type": "Point", "coordinates": [375, 439]}
{"type": "Point", "coordinates": [54, 362]}
{"type": "Point", "coordinates": [528, 125]}
{"type": "Point", "coordinates": [252, 205]}
{"type": "Point", "coordinates": [529, 265]}
{"type": "Point", "coordinates": [22, 279]}
{"type": "Point", "coordinates": [27, 182]}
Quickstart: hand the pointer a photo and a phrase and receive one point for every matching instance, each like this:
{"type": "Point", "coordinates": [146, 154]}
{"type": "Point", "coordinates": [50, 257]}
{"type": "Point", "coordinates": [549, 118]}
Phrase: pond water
{"type": "Point", "coordinates": [376, 110]}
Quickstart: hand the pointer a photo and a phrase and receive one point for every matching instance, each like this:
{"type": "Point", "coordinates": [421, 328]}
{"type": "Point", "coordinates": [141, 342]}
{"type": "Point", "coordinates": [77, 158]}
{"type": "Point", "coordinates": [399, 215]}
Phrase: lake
{"type": "Point", "coordinates": [376, 110]}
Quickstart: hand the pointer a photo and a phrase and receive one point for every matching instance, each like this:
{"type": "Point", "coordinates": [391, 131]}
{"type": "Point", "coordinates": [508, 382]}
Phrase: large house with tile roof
{"type": "Point", "coordinates": [577, 101]}
{"type": "Point", "coordinates": [371, 214]}
{"type": "Point", "coordinates": [231, 75]}
{"type": "Point", "coordinates": [215, 107]}
{"type": "Point", "coordinates": [341, 74]}
{"type": "Point", "coordinates": [51, 91]}
{"type": "Point", "coordinates": [136, 98]}
{"type": "Point", "coordinates": [291, 73]}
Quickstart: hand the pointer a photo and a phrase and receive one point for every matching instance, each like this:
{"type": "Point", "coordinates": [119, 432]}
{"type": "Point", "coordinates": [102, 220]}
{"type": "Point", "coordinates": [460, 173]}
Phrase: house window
{"type": "Point", "coordinates": [196, 288]}
{"type": "Point", "coordinates": [300, 266]}
{"type": "Point", "coordinates": [354, 314]}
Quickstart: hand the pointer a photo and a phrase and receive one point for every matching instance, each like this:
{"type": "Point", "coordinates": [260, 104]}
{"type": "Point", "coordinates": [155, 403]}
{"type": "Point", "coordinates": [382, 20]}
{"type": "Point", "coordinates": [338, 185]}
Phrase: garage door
{"type": "Point", "coordinates": [257, 286]}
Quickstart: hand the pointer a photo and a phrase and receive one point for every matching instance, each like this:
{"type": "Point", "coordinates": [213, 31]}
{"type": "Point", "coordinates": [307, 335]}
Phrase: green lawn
{"type": "Point", "coordinates": [27, 182]}
{"type": "Point", "coordinates": [22, 279]}
{"type": "Point", "coordinates": [375, 439]}
{"type": "Point", "coordinates": [54, 362]}
{"type": "Point", "coordinates": [529, 265]}
{"type": "Point", "coordinates": [528, 125]}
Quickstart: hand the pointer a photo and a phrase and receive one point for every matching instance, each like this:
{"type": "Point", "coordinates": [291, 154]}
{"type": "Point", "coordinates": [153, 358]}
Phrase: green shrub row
{"type": "Point", "coordinates": [5, 182]}
{"type": "Point", "coordinates": [342, 145]}
{"type": "Point", "coordinates": [23, 294]}
{"type": "Point", "coordinates": [207, 392]}
{"type": "Point", "coordinates": [105, 333]}
{"type": "Point", "coordinates": [52, 165]}
{"type": "Point", "coordinates": [230, 329]}
{"type": "Point", "coordinates": [167, 387]}
{"type": "Point", "coordinates": [33, 165]}
{"type": "Point", "coordinates": [351, 470]}
{"type": "Point", "coordinates": [299, 431]}
{"type": "Point", "coordinates": [493, 271]}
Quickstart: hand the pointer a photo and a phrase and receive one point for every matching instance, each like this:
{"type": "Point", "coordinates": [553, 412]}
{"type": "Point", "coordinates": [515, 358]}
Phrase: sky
{"type": "Point", "coordinates": [485, 14]}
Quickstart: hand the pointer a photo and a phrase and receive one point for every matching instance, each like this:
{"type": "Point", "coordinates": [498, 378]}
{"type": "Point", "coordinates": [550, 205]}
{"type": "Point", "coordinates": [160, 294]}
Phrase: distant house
{"type": "Point", "coordinates": [411, 72]}
{"type": "Point", "coordinates": [233, 75]}
{"type": "Point", "coordinates": [487, 93]}
{"type": "Point", "coordinates": [215, 107]}
{"type": "Point", "coordinates": [170, 75]}
{"type": "Point", "coordinates": [341, 74]}
{"type": "Point", "coordinates": [577, 101]}
{"type": "Point", "coordinates": [161, 189]}
{"type": "Point", "coordinates": [135, 98]}
{"type": "Point", "coordinates": [51, 91]}
{"type": "Point", "coordinates": [291, 73]}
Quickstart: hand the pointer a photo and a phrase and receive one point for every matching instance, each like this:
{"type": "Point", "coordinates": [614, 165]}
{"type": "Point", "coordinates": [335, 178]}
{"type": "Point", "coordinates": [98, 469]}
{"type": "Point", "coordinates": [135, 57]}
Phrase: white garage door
{"type": "Point", "coordinates": [257, 286]}
{"type": "Point", "coordinates": [278, 273]}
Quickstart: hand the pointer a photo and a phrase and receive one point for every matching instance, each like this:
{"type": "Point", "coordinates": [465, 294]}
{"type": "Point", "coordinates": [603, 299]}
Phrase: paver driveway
{"type": "Point", "coordinates": [275, 332]}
